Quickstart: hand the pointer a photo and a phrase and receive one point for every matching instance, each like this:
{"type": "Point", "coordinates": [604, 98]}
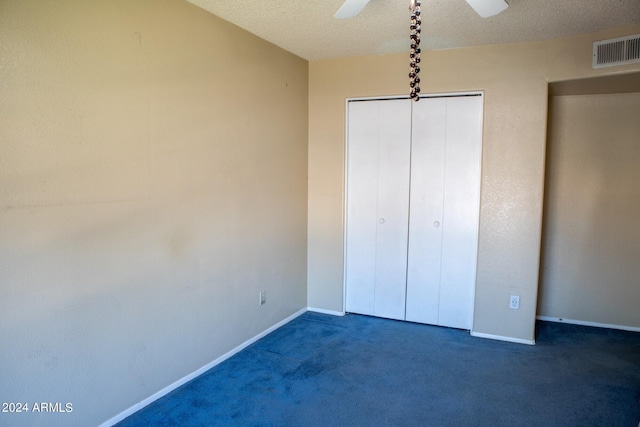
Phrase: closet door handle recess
{"type": "Point", "coordinates": [381, 221]}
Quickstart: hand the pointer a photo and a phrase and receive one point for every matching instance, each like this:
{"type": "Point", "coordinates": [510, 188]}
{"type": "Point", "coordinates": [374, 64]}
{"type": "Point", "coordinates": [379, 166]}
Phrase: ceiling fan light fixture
{"type": "Point", "coordinates": [350, 9]}
{"type": "Point", "coordinates": [487, 8]}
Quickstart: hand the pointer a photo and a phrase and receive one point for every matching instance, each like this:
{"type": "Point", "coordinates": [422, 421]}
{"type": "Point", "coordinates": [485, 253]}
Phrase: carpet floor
{"type": "Point", "coordinates": [322, 370]}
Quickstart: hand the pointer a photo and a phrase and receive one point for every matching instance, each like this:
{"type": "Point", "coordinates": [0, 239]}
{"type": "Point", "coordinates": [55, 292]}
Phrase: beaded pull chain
{"type": "Point", "coordinates": [414, 53]}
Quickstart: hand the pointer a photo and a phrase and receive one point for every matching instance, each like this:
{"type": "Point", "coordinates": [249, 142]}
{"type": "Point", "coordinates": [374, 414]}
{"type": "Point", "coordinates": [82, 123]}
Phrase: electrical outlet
{"type": "Point", "coordinates": [263, 297]}
{"type": "Point", "coordinates": [514, 302]}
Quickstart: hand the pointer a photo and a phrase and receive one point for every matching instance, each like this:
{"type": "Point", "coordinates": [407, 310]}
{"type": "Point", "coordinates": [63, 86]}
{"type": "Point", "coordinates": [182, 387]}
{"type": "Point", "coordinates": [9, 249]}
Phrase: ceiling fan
{"type": "Point", "coordinates": [484, 8]}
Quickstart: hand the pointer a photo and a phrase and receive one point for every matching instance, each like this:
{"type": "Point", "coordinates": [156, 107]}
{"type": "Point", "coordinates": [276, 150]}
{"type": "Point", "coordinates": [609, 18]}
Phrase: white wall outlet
{"type": "Point", "coordinates": [263, 297]}
{"type": "Point", "coordinates": [514, 302]}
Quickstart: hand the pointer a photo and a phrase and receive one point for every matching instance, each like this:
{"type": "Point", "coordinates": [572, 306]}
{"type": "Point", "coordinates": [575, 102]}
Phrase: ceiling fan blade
{"type": "Point", "coordinates": [350, 9]}
{"type": "Point", "coordinates": [487, 8]}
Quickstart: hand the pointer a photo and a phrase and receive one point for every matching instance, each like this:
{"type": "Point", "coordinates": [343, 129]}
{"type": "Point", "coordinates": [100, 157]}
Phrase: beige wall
{"type": "Point", "coordinates": [591, 239]}
{"type": "Point", "coordinates": [146, 196]}
{"type": "Point", "coordinates": [153, 164]}
{"type": "Point", "coordinates": [514, 79]}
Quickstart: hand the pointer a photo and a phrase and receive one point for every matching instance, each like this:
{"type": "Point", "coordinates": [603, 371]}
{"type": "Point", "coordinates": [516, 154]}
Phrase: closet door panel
{"type": "Point", "coordinates": [361, 206]}
{"type": "Point", "coordinates": [377, 207]}
{"type": "Point", "coordinates": [425, 220]}
{"type": "Point", "coordinates": [393, 208]}
{"type": "Point", "coordinates": [461, 211]}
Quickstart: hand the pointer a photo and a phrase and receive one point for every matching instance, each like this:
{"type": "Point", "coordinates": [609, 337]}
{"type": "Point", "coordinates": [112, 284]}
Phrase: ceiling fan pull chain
{"type": "Point", "coordinates": [414, 53]}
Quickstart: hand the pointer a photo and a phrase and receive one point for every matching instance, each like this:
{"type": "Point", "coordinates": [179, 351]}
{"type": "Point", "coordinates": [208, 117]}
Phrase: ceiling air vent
{"type": "Point", "coordinates": [620, 51]}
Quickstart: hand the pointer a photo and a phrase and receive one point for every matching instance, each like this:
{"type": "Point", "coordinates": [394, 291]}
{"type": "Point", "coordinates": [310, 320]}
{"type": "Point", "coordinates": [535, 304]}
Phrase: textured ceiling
{"type": "Point", "coordinates": [307, 27]}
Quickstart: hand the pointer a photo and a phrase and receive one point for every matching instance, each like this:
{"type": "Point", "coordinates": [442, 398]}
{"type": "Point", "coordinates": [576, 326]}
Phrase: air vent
{"type": "Point", "coordinates": [620, 51]}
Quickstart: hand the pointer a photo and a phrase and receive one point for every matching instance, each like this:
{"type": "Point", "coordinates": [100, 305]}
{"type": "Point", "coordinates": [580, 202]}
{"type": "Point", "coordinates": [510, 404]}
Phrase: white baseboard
{"type": "Point", "coordinates": [323, 311]}
{"type": "Point", "coordinates": [585, 323]}
{"type": "Point", "coordinates": [135, 408]}
{"type": "Point", "coordinates": [503, 338]}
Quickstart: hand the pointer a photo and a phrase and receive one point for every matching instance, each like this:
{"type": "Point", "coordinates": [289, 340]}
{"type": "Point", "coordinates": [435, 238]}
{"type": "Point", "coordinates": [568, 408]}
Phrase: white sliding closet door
{"type": "Point", "coordinates": [445, 205]}
{"type": "Point", "coordinates": [427, 192]}
{"type": "Point", "coordinates": [377, 207]}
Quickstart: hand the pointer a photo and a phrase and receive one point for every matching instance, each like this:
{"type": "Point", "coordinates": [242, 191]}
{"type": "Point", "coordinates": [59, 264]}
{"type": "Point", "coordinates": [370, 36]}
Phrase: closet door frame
{"type": "Point", "coordinates": [346, 175]}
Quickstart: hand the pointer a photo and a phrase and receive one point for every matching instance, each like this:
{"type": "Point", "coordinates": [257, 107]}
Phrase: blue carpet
{"type": "Point", "coordinates": [321, 370]}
